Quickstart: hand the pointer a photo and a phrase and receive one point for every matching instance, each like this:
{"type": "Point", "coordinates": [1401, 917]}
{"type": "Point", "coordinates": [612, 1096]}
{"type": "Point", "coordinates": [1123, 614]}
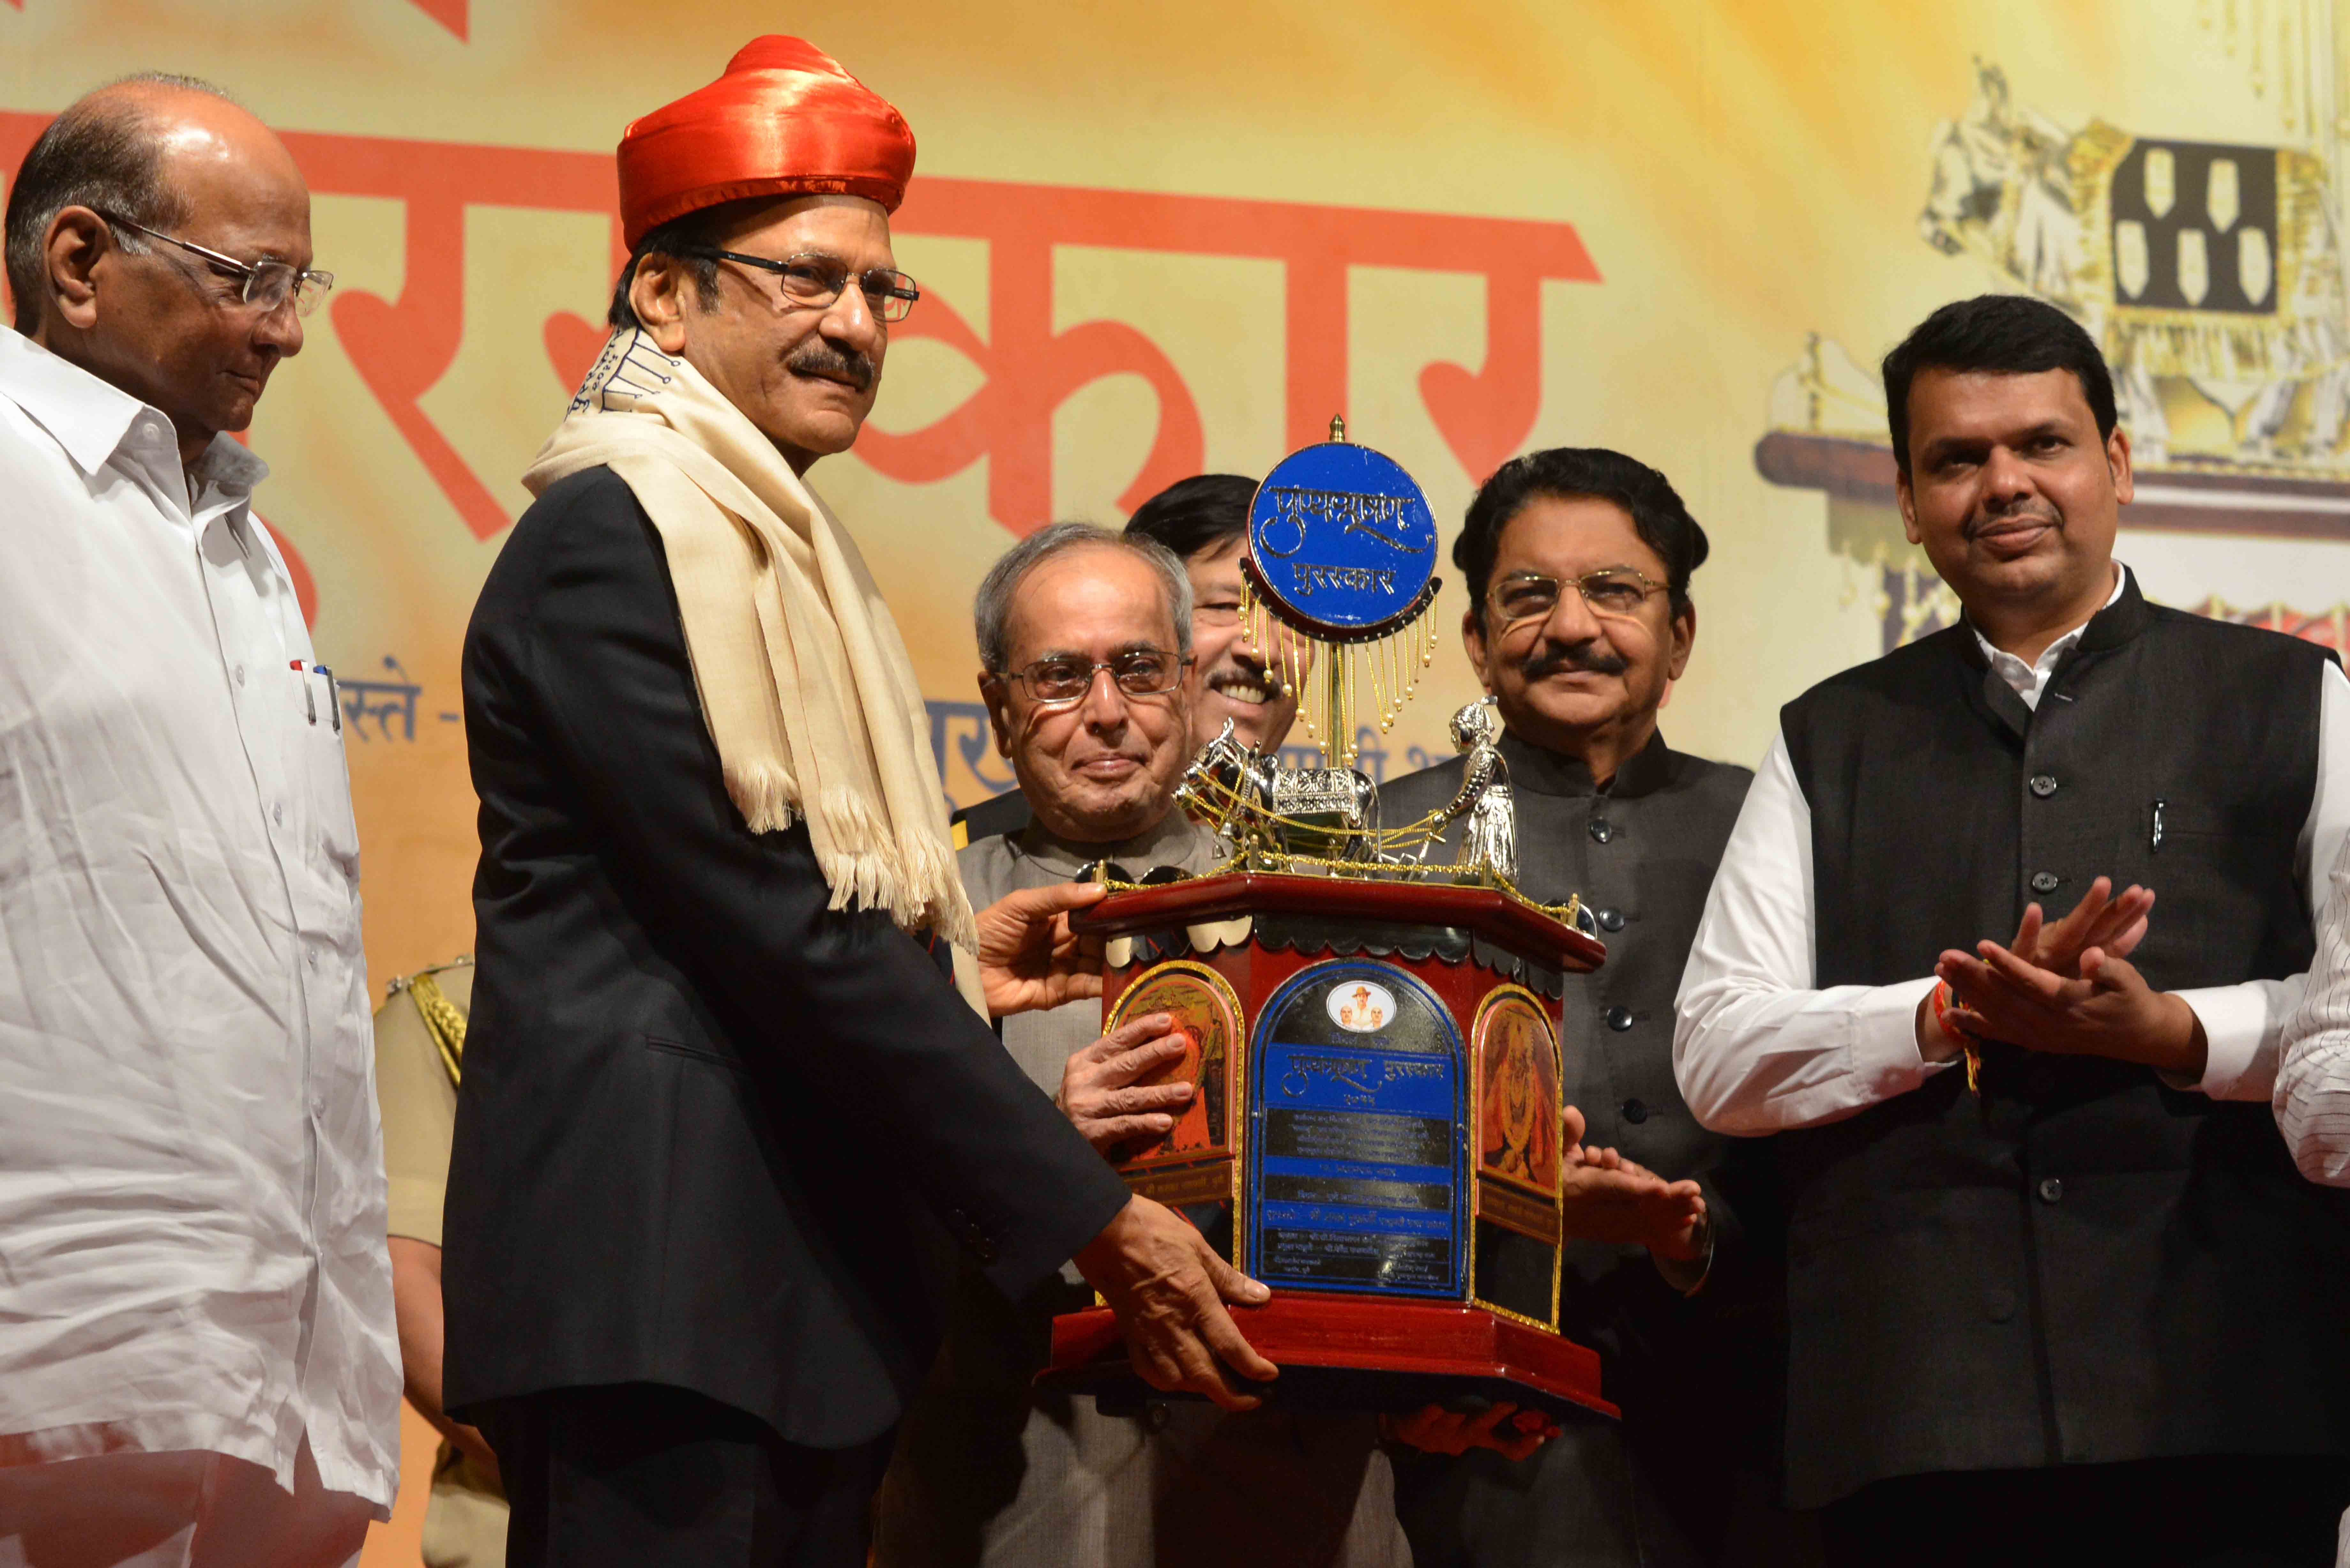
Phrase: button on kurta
{"type": "Point", "coordinates": [2044, 881]}
{"type": "Point", "coordinates": [1611, 919]}
{"type": "Point", "coordinates": [2052, 1190]}
{"type": "Point", "coordinates": [2043, 785]}
{"type": "Point", "coordinates": [1620, 1019]}
{"type": "Point", "coordinates": [1635, 1111]}
{"type": "Point", "coordinates": [1601, 829]}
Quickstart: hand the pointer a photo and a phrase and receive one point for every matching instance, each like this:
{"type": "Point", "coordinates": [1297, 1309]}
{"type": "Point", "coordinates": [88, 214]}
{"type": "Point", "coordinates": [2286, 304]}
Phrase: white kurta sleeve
{"type": "Point", "coordinates": [1756, 1047]}
{"type": "Point", "coordinates": [2245, 1024]}
{"type": "Point", "coordinates": [2313, 1075]}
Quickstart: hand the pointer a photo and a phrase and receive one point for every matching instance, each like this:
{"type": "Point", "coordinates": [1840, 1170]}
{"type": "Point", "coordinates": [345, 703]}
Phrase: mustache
{"type": "Point", "coordinates": [1982, 523]}
{"type": "Point", "coordinates": [1243, 670]}
{"type": "Point", "coordinates": [1591, 658]}
{"type": "Point", "coordinates": [819, 357]}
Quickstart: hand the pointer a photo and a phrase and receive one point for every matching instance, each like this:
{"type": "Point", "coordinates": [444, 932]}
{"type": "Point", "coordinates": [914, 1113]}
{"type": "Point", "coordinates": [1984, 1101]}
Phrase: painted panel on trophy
{"type": "Point", "coordinates": [1357, 1160]}
{"type": "Point", "coordinates": [1516, 1139]}
{"type": "Point", "coordinates": [1194, 1163]}
{"type": "Point", "coordinates": [1517, 1114]}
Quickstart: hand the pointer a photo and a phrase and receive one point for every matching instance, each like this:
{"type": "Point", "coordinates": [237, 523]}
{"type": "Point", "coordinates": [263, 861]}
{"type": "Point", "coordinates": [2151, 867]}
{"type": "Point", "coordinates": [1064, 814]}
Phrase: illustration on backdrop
{"type": "Point", "coordinates": [2209, 274]}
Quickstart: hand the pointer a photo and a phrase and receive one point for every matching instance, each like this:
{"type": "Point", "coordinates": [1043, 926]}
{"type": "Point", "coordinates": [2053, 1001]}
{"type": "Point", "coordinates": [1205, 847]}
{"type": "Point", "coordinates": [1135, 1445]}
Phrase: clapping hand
{"type": "Point", "coordinates": [1099, 1093]}
{"type": "Point", "coordinates": [2067, 988]}
{"type": "Point", "coordinates": [2112, 926]}
{"type": "Point", "coordinates": [1605, 1197]}
{"type": "Point", "coordinates": [2109, 1011]}
{"type": "Point", "coordinates": [1028, 957]}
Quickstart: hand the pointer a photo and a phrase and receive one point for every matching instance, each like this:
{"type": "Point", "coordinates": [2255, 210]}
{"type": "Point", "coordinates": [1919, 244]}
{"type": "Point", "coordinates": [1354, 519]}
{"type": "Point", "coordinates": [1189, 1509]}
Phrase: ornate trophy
{"type": "Point", "coordinates": [1375, 1039]}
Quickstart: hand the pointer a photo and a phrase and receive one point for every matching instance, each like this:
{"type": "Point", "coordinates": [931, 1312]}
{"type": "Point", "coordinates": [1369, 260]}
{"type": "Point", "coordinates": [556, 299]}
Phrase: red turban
{"type": "Point", "coordinates": [784, 121]}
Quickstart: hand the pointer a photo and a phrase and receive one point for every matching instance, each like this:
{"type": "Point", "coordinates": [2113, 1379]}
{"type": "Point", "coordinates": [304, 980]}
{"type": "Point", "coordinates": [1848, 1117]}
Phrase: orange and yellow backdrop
{"type": "Point", "coordinates": [1155, 238]}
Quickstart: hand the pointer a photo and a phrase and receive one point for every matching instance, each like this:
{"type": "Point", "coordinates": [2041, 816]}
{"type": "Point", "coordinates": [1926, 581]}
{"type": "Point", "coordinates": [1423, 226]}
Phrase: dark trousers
{"type": "Point", "coordinates": [2216, 1509]}
{"type": "Point", "coordinates": [653, 1477]}
{"type": "Point", "coordinates": [1593, 1497]}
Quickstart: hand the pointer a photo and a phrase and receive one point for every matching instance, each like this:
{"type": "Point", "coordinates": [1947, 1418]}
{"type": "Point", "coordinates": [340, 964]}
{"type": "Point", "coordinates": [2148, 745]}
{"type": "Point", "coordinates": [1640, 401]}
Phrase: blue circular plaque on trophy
{"type": "Point", "coordinates": [1341, 543]}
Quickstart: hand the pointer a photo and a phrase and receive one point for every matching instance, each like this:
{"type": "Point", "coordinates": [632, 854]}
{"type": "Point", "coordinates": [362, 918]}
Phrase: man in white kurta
{"type": "Point", "coordinates": [197, 1363]}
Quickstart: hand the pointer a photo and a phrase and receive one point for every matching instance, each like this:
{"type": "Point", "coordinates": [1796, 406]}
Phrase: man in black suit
{"type": "Point", "coordinates": [1578, 562]}
{"type": "Point", "coordinates": [724, 1114]}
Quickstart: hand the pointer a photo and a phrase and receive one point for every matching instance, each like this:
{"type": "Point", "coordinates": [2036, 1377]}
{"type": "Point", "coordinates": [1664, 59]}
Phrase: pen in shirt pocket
{"type": "Point", "coordinates": [309, 698]}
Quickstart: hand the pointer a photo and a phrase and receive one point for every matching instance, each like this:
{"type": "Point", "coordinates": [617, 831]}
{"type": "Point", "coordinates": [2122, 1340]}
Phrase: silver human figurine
{"type": "Point", "coordinates": [1491, 839]}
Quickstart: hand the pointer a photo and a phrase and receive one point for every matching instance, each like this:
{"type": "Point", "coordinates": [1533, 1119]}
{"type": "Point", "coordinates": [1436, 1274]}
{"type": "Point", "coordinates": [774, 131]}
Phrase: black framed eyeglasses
{"type": "Point", "coordinates": [813, 280]}
{"type": "Point", "coordinates": [1617, 592]}
{"type": "Point", "coordinates": [265, 285]}
{"type": "Point", "coordinates": [1141, 672]}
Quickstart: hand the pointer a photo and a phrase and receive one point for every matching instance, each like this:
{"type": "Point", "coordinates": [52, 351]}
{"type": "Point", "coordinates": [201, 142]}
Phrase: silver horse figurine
{"type": "Point", "coordinates": [1331, 813]}
{"type": "Point", "coordinates": [1227, 787]}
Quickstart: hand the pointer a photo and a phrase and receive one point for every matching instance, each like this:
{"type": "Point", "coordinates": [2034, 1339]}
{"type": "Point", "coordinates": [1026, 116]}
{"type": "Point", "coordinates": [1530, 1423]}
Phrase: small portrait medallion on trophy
{"type": "Point", "coordinates": [1361, 1006]}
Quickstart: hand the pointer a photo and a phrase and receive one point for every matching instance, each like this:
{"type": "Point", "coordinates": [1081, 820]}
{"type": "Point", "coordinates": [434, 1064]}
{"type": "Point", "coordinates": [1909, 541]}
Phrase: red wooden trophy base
{"type": "Point", "coordinates": [1360, 1353]}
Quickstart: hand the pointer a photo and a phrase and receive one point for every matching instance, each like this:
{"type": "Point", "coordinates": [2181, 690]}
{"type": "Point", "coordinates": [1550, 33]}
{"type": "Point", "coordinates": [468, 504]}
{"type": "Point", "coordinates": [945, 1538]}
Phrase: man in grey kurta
{"type": "Point", "coordinates": [1085, 635]}
{"type": "Point", "coordinates": [1578, 562]}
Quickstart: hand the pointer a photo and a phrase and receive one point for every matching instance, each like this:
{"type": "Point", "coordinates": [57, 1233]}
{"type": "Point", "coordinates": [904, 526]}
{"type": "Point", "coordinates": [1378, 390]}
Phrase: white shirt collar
{"type": "Point", "coordinates": [91, 418]}
{"type": "Point", "coordinates": [2027, 681]}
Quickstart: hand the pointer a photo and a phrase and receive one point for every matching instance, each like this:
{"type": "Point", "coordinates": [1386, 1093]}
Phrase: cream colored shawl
{"type": "Point", "coordinates": [804, 678]}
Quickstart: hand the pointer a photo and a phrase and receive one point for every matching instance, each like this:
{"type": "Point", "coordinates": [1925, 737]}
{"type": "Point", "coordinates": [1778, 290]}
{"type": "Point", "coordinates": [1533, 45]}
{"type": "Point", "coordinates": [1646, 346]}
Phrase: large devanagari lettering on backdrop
{"type": "Point", "coordinates": [403, 348]}
{"type": "Point", "coordinates": [1030, 369]}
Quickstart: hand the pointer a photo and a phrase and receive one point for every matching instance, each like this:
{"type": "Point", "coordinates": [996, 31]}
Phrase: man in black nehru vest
{"type": "Point", "coordinates": [1579, 622]}
{"type": "Point", "coordinates": [2056, 1291]}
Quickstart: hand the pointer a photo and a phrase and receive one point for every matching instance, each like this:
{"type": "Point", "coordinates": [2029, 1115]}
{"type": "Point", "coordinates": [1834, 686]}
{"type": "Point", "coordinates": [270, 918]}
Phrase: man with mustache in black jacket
{"type": "Point", "coordinates": [1579, 622]}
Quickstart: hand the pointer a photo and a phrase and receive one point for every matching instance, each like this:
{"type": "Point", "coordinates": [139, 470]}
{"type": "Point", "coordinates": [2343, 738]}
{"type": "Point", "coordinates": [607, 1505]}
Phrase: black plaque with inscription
{"type": "Point", "coordinates": [1357, 1168]}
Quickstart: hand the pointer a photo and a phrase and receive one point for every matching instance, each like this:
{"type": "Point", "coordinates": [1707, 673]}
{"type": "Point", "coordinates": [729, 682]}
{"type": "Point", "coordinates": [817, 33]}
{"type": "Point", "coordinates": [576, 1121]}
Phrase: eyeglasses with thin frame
{"type": "Point", "coordinates": [1616, 593]}
{"type": "Point", "coordinates": [1139, 672]}
{"type": "Point", "coordinates": [266, 286]}
{"type": "Point", "coordinates": [813, 280]}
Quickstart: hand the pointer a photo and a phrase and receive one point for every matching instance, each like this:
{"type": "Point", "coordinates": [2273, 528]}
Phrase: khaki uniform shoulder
{"type": "Point", "coordinates": [454, 979]}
